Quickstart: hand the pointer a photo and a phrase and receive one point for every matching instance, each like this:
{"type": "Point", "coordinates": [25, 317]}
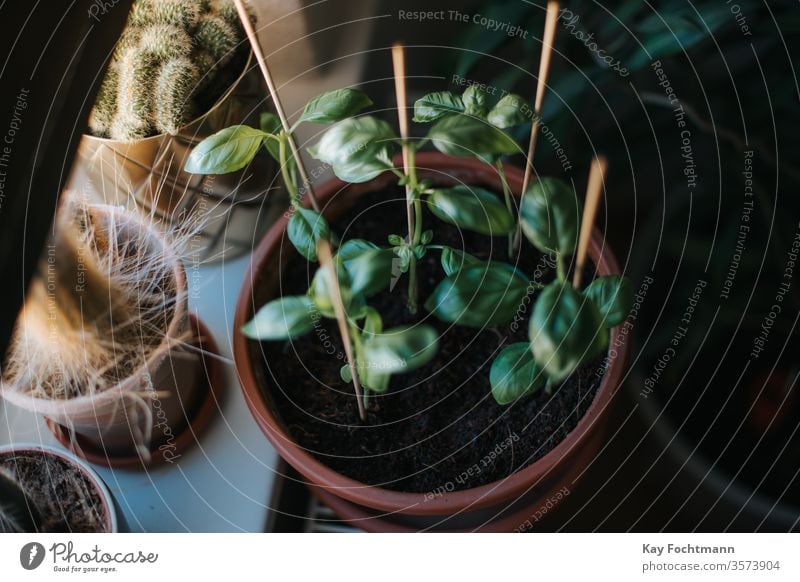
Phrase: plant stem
{"type": "Point", "coordinates": [509, 205]}
{"type": "Point", "coordinates": [561, 268]}
{"type": "Point", "coordinates": [285, 173]}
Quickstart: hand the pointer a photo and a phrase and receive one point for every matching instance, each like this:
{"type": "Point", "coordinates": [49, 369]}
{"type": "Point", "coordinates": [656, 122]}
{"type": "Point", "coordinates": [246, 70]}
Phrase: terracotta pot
{"type": "Point", "coordinates": [164, 390]}
{"type": "Point", "coordinates": [523, 491]}
{"type": "Point", "coordinates": [112, 517]}
{"type": "Point", "coordinates": [232, 209]}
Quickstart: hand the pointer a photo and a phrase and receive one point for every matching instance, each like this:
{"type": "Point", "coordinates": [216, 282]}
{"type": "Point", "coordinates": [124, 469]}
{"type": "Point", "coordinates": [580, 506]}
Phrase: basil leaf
{"type": "Point", "coordinates": [305, 228]}
{"type": "Point", "coordinates": [346, 374]}
{"type": "Point", "coordinates": [320, 294]}
{"type": "Point", "coordinates": [358, 149]}
{"type": "Point", "coordinates": [613, 297]}
{"type": "Point", "coordinates": [270, 123]}
{"type": "Point", "coordinates": [400, 349]}
{"type": "Point", "coordinates": [354, 247]}
{"type": "Point", "coordinates": [565, 330]}
{"type": "Point", "coordinates": [333, 106]}
{"type": "Point", "coordinates": [472, 208]}
{"type": "Point", "coordinates": [478, 296]}
{"type": "Point", "coordinates": [373, 324]}
{"type": "Point", "coordinates": [549, 216]}
{"type": "Point", "coordinates": [226, 151]}
{"type": "Point", "coordinates": [435, 105]}
{"type": "Point", "coordinates": [511, 110]}
{"type": "Point", "coordinates": [370, 271]}
{"type": "Point", "coordinates": [462, 135]}
{"type": "Point", "coordinates": [454, 260]}
{"type": "Point", "coordinates": [476, 101]}
{"type": "Point", "coordinates": [283, 318]}
{"type": "Point", "coordinates": [515, 373]}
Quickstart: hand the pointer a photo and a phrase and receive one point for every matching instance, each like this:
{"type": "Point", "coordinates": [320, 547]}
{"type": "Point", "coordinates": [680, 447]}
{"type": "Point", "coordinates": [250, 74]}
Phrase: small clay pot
{"type": "Point", "coordinates": [506, 504]}
{"type": "Point", "coordinates": [76, 501]}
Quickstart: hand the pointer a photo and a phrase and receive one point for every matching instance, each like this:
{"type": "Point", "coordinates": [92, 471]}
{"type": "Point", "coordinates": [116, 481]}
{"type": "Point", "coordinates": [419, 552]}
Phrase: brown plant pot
{"type": "Point", "coordinates": [501, 505]}
{"type": "Point", "coordinates": [168, 389]}
{"type": "Point", "coordinates": [79, 479]}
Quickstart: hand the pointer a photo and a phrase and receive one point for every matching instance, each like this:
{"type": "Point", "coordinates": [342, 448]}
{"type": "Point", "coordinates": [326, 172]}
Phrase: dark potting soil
{"type": "Point", "coordinates": [64, 497]}
{"type": "Point", "coordinates": [437, 428]}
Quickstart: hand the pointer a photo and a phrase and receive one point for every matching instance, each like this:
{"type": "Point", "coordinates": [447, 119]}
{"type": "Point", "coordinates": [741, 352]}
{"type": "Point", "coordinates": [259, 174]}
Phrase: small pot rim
{"type": "Point", "coordinates": [190, 124]}
{"type": "Point", "coordinates": [490, 494]}
{"type": "Point", "coordinates": [79, 403]}
{"type": "Point", "coordinates": [112, 521]}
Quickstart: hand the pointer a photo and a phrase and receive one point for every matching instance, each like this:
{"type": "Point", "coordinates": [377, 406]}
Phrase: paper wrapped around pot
{"type": "Point", "coordinates": [152, 405]}
{"type": "Point", "coordinates": [234, 209]}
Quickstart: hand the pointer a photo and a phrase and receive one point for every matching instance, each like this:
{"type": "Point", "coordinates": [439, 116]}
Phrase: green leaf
{"type": "Point", "coordinates": [613, 297]}
{"type": "Point", "coordinates": [565, 330]}
{"type": "Point", "coordinates": [305, 228]}
{"type": "Point", "coordinates": [370, 271]}
{"type": "Point", "coordinates": [354, 247]}
{"type": "Point", "coordinates": [396, 240]}
{"type": "Point", "coordinates": [270, 124]}
{"type": "Point", "coordinates": [346, 374]}
{"type": "Point", "coordinates": [333, 106]}
{"type": "Point", "coordinates": [479, 295]}
{"type": "Point", "coordinates": [515, 374]}
{"type": "Point", "coordinates": [283, 318]}
{"type": "Point", "coordinates": [476, 101]}
{"type": "Point", "coordinates": [435, 105]}
{"type": "Point", "coordinates": [427, 237]}
{"type": "Point", "coordinates": [226, 151]}
{"type": "Point", "coordinates": [358, 149]}
{"type": "Point", "coordinates": [511, 110]}
{"type": "Point", "coordinates": [472, 208]}
{"type": "Point", "coordinates": [550, 215]}
{"type": "Point", "coordinates": [454, 260]}
{"type": "Point", "coordinates": [400, 349]}
{"type": "Point", "coordinates": [462, 135]}
{"type": "Point", "coordinates": [320, 293]}
{"type": "Point", "coordinates": [373, 324]}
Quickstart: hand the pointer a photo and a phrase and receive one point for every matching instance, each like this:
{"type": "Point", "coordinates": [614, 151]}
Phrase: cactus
{"type": "Point", "coordinates": [167, 57]}
{"type": "Point", "coordinates": [174, 86]}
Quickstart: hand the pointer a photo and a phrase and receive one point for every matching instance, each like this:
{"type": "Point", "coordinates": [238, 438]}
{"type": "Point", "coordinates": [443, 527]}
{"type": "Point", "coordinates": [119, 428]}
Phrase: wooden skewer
{"type": "Point", "coordinates": [541, 85]}
{"type": "Point", "coordinates": [399, 64]}
{"type": "Point", "coordinates": [326, 262]}
{"type": "Point", "coordinates": [594, 191]}
{"type": "Point", "coordinates": [273, 90]}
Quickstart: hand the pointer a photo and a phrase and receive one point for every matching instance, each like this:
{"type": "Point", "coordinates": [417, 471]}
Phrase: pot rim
{"type": "Point", "coordinates": [78, 404]}
{"type": "Point", "coordinates": [187, 127]}
{"type": "Point", "coordinates": [490, 494]}
{"type": "Point", "coordinates": [111, 522]}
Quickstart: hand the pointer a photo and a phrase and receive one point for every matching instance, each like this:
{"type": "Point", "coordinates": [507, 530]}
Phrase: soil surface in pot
{"type": "Point", "coordinates": [65, 498]}
{"type": "Point", "coordinates": [438, 428]}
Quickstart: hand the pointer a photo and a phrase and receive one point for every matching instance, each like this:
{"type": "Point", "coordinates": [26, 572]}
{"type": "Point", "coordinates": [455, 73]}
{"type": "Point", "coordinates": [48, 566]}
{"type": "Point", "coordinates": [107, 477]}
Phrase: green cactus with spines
{"type": "Point", "coordinates": [105, 106]}
{"type": "Point", "coordinates": [165, 41]}
{"type": "Point", "coordinates": [176, 81]}
{"type": "Point", "coordinates": [169, 54]}
{"type": "Point", "coordinates": [135, 100]}
{"type": "Point", "coordinates": [180, 13]}
{"type": "Point", "coordinates": [217, 37]}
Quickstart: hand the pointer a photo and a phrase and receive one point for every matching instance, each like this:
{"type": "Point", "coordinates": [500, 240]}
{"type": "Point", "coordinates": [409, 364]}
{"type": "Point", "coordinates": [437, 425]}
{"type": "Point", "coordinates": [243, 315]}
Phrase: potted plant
{"type": "Point", "coordinates": [179, 72]}
{"type": "Point", "coordinates": [45, 490]}
{"type": "Point", "coordinates": [465, 413]}
{"type": "Point", "coordinates": [104, 347]}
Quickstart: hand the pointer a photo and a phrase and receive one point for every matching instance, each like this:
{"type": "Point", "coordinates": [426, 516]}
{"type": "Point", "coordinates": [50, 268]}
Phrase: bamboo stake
{"type": "Point", "coordinates": [541, 85]}
{"type": "Point", "coordinates": [399, 64]}
{"type": "Point", "coordinates": [273, 90]}
{"type": "Point", "coordinates": [326, 262]}
{"type": "Point", "coordinates": [594, 191]}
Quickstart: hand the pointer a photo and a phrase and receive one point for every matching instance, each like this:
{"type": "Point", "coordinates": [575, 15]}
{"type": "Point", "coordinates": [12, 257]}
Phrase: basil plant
{"type": "Point", "coordinates": [363, 269]}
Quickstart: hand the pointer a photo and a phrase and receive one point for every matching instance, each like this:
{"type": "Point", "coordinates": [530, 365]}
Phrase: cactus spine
{"type": "Point", "coordinates": [167, 56]}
